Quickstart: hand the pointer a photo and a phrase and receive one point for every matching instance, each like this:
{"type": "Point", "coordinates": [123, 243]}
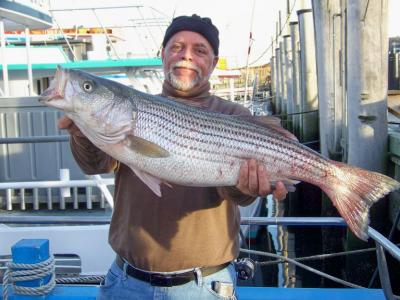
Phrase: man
{"type": "Point", "coordinates": [182, 245]}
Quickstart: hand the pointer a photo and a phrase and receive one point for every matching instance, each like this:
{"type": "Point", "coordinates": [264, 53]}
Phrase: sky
{"type": "Point", "coordinates": [234, 19]}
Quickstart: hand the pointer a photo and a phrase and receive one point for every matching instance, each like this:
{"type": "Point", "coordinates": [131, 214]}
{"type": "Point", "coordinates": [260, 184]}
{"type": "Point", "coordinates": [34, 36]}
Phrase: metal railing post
{"type": "Point", "coordinates": [65, 192]}
{"type": "Point", "coordinates": [384, 272]}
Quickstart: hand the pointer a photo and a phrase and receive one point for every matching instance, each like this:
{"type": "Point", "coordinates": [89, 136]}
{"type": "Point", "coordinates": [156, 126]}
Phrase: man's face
{"type": "Point", "coordinates": [188, 60]}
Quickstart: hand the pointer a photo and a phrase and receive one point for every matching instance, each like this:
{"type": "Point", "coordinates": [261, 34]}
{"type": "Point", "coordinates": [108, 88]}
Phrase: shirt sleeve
{"type": "Point", "coordinates": [231, 193]}
{"type": "Point", "coordinates": [90, 158]}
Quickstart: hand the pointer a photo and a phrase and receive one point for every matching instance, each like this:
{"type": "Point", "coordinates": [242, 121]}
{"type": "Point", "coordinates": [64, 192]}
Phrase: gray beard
{"type": "Point", "coordinates": [182, 85]}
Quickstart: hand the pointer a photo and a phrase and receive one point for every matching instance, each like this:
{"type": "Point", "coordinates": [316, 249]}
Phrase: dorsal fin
{"type": "Point", "coordinates": [269, 122]}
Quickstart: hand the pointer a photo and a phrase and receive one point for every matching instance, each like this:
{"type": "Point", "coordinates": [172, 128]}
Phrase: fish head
{"type": "Point", "coordinates": [95, 102]}
{"type": "Point", "coordinates": [75, 91]}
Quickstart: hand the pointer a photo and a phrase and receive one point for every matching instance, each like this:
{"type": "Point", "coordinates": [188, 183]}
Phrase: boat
{"type": "Point", "coordinates": [79, 291]}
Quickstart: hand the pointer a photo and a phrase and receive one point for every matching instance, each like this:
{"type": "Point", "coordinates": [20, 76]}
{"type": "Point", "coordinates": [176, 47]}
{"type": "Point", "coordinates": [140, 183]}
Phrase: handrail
{"type": "Point", "coordinates": [55, 183]}
{"type": "Point", "coordinates": [34, 139]}
{"type": "Point", "coordinates": [55, 220]}
{"type": "Point", "coordinates": [384, 242]}
{"type": "Point", "coordinates": [317, 221]}
{"type": "Point", "coordinates": [309, 221]}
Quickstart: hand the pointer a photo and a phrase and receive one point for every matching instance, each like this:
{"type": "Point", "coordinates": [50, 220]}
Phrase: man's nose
{"type": "Point", "coordinates": [187, 54]}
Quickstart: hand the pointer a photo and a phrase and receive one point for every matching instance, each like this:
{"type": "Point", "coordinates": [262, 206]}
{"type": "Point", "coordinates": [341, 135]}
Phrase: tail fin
{"type": "Point", "coordinates": [353, 191]}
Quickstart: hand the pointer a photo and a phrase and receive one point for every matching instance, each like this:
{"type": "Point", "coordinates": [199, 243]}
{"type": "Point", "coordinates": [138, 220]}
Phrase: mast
{"type": "Point", "coordinates": [248, 53]}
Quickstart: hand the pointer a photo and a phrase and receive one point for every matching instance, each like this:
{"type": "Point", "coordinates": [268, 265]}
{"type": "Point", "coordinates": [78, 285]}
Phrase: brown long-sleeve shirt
{"type": "Point", "coordinates": [187, 227]}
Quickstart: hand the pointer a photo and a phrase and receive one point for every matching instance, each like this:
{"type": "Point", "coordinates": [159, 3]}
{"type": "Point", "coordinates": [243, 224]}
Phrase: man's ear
{"type": "Point", "coordinates": [162, 54]}
{"type": "Point", "coordinates": [215, 61]}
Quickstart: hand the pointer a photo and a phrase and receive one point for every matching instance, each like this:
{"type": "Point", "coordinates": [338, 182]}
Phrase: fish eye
{"type": "Point", "coordinates": [88, 86]}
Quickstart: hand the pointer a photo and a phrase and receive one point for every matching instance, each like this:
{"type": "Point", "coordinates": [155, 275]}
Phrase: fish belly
{"type": "Point", "coordinates": [181, 170]}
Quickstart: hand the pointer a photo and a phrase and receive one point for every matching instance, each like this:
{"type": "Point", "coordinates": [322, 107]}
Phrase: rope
{"type": "Point", "coordinates": [80, 279]}
{"type": "Point", "coordinates": [40, 270]}
{"type": "Point", "coordinates": [296, 113]}
{"type": "Point", "coordinates": [312, 270]}
{"type": "Point", "coordinates": [320, 256]}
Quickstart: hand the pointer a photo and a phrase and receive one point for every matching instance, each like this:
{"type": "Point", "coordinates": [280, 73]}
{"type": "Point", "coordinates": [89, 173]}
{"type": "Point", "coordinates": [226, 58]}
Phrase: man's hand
{"type": "Point", "coordinates": [253, 181]}
{"type": "Point", "coordinates": [66, 123]}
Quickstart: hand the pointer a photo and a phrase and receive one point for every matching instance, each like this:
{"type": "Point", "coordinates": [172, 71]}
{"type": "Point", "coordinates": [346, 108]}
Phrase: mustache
{"type": "Point", "coordinates": [185, 64]}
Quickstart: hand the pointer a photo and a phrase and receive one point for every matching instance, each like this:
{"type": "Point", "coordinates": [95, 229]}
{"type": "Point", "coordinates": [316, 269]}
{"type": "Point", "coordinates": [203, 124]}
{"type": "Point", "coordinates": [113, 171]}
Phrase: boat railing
{"type": "Point", "coordinates": [285, 221]}
{"type": "Point", "coordinates": [65, 185]}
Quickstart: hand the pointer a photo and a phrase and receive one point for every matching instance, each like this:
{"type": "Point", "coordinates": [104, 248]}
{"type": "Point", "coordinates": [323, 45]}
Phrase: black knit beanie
{"type": "Point", "coordinates": [195, 23]}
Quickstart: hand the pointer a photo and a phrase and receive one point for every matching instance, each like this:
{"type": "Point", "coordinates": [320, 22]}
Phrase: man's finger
{"type": "Point", "coordinates": [253, 177]}
{"type": "Point", "coordinates": [64, 122]}
{"type": "Point", "coordinates": [243, 176]}
{"type": "Point", "coordinates": [280, 191]}
{"type": "Point", "coordinates": [69, 125]}
{"type": "Point", "coordinates": [264, 187]}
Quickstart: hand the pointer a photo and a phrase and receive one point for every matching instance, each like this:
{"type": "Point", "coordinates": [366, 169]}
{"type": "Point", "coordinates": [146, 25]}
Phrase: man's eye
{"type": "Point", "coordinates": [201, 51]}
{"type": "Point", "coordinates": [176, 48]}
{"type": "Point", "coordinates": [87, 86]}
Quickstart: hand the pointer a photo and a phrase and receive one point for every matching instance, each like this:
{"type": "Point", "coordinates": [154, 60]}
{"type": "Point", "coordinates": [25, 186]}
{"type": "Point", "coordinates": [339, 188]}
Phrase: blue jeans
{"type": "Point", "coordinates": [119, 285]}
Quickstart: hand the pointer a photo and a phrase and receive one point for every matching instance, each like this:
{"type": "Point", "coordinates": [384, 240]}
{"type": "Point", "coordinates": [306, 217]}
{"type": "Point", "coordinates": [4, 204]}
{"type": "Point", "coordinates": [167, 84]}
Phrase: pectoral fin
{"type": "Point", "coordinates": [146, 147]}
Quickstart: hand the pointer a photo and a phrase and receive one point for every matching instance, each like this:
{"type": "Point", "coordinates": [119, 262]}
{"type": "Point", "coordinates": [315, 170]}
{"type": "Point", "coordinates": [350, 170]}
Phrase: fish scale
{"type": "Point", "coordinates": [162, 140]}
{"type": "Point", "coordinates": [226, 138]}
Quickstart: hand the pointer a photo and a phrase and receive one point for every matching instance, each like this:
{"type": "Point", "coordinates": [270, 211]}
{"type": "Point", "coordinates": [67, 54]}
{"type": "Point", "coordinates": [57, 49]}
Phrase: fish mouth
{"type": "Point", "coordinates": [57, 86]}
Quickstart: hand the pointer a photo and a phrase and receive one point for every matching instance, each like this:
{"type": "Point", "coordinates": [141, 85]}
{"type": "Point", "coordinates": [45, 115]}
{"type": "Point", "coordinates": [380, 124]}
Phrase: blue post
{"type": "Point", "coordinates": [31, 251]}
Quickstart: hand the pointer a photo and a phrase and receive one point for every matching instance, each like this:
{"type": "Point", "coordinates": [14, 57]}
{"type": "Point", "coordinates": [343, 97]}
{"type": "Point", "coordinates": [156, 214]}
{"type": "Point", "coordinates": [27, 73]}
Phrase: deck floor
{"type": "Point", "coordinates": [65, 292]}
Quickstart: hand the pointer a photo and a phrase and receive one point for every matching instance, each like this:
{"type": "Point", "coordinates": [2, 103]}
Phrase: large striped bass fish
{"type": "Point", "coordinates": [164, 141]}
